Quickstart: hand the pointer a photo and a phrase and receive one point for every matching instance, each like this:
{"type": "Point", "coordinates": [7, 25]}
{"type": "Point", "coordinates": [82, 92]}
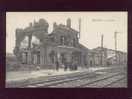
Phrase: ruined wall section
{"type": "Point", "coordinates": [68, 33]}
{"type": "Point", "coordinates": [38, 29]}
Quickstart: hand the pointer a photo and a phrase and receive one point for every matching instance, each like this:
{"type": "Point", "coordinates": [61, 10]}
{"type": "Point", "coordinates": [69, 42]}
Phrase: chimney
{"type": "Point", "coordinates": [69, 22]}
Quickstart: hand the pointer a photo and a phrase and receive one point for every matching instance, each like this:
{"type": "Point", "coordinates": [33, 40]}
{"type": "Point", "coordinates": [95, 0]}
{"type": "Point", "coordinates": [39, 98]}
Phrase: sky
{"type": "Point", "coordinates": [93, 25]}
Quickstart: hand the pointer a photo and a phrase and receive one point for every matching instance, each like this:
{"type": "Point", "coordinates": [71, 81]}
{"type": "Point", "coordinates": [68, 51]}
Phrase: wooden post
{"type": "Point", "coordinates": [102, 36]}
{"type": "Point", "coordinates": [79, 28]}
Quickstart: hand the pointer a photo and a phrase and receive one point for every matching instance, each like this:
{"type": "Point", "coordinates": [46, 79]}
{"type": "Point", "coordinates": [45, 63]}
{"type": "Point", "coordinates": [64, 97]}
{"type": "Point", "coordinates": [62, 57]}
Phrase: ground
{"type": "Point", "coordinates": [39, 77]}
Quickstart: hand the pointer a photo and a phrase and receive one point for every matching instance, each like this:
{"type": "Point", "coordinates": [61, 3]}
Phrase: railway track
{"type": "Point", "coordinates": [78, 80]}
{"type": "Point", "coordinates": [87, 82]}
{"type": "Point", "coordinates": [116, 81]}
{"type": "Point", "coordinates": [123, 82]}
{"type": "Point", "coordinates": [47, 79]}
{"type": "Point", "coordinates": [103, 82]}
{"type": "Point", "coordinates": [55, 81]}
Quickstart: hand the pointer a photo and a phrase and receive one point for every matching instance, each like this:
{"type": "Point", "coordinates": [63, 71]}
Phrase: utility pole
{"type": "Point", "coordinates": [79, 21]}
{"type": "Point", "coordinates": [115, 36]}
{"type": "Point", "coordinates": [102, 37]}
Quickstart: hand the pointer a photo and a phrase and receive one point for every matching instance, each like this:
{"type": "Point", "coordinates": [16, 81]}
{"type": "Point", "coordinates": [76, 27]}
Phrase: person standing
{"type": "Point", "coordinates": [65, 64]}
{"type": "Point", "coordinates": [57, 65]}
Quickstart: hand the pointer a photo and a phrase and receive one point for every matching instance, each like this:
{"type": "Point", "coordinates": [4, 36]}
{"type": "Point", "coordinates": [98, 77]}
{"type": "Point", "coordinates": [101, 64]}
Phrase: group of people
{"type": "Point", "coordinates": [67, 65]}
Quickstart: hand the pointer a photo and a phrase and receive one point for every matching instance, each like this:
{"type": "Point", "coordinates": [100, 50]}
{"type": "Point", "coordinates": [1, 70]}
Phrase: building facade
{"type": "Point", "coordinates": [106, 57]}
{"type": "Point", "coordinates": [35, 46]}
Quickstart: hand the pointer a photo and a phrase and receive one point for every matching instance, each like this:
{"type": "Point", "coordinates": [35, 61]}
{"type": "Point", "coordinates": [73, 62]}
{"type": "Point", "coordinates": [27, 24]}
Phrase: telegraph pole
{"type": "Point", "coordinates": [115, 37]}
{"type": "Point", "coordinates": [79, 21]}
{"type": "Point", "coordinates": [102, 37]}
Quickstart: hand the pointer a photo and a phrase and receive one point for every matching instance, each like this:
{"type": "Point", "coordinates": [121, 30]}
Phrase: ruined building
{"type": "Point", "coordinates": [35, 46]}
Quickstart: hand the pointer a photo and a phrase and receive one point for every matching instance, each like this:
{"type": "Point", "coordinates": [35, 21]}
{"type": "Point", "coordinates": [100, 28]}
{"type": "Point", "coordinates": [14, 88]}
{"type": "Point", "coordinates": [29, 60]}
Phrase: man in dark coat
{"type": "Point", "coordinates": [57, 65]}
{"type": "Point", "coordinates": [65, 64]}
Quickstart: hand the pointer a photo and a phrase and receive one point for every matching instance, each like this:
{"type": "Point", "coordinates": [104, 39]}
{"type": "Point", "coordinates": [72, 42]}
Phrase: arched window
{"type": "Point", "coordinates": [24, 57]}
{"type": "Point", "coordinates": [24, 43]}
{"type": "Point", "coordinates": [36, 58]}
{"type": "Point", "coordinates": [62, 40]}
{"type": "Point", "coordinates": [35, 41]}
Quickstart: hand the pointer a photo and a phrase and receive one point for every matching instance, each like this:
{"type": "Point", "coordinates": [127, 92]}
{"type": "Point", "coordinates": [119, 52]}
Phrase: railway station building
{"type": "Point", "coordinates": [35, 46]}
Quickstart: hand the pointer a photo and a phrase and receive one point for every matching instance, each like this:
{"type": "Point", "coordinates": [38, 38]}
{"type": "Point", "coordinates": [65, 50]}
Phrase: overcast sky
{"type": "Point", "coordinates": [93, 24]}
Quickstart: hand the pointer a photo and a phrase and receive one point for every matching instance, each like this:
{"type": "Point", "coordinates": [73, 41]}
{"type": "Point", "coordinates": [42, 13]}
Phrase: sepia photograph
{"type": "Point", "coordinates": [66, 49]}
